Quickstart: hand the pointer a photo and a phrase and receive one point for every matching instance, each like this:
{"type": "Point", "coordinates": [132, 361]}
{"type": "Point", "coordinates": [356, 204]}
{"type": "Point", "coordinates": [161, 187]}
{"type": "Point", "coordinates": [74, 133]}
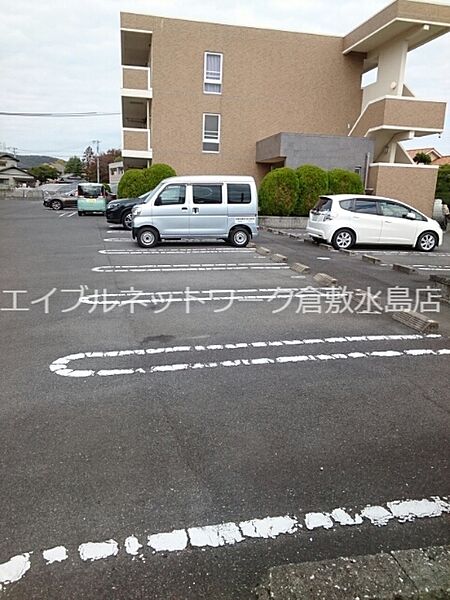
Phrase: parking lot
{"type": "Point", "coordinates": [175, 421]}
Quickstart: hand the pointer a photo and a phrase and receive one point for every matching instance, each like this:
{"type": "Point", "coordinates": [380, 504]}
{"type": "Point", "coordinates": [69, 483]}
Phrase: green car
{"type": "Point", "coordinates": [91, 197]}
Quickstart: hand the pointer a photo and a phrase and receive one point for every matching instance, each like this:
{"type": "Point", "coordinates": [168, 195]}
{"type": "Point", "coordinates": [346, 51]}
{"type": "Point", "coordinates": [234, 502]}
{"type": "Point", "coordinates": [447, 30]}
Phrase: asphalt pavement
{"type": "Point", "coordinates": [175, 422]}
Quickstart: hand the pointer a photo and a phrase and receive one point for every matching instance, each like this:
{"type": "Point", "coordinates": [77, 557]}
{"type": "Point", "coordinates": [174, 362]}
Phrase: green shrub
{"type": "Point", "coordinates": [132, 184]}
{"type": "Point", "coordinates": [313, 183]}
{"type": "Point", "coordinates": [341, 181]}
{"type": "Point", "coordinates": [156, 173]}
{"type": "Point", "coordinates": [278, 192]}
{"type": "Point", "coordinates": [135, 182]}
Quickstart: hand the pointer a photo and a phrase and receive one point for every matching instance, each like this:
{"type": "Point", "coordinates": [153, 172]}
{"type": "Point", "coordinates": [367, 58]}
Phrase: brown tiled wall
{"type": "Point", "coordinates": [413, 185]}
{"type": "Point", "coordinates": [272, 81]}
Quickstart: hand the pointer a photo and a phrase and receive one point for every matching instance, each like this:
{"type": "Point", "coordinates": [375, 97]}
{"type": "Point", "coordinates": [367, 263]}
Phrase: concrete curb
{"type": "Point", "coordinates": [371, 259]}
{"type": "Point", "coordinates": [279, 258]}
{"type": "Point", "coordinates": [300, 268]}
{"type": "Point", "coordinates": [422, 574]}
{"type": "Point", "coordinates": [403, 268]}
{"type": "Point", "coordinates": [416, 321]}
{"type": "Point", "coordinates": [262, 250]}
{"type": "Point", "coordinates": [325, 279]}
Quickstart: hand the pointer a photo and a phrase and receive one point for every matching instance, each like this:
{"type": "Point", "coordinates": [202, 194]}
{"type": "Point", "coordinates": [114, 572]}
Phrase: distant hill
{"type": "Point", "coordinates": [28, 161]}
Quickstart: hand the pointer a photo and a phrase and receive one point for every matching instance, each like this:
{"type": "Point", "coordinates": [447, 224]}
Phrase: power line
{"type": "Point", "coordinates": [59, 115]}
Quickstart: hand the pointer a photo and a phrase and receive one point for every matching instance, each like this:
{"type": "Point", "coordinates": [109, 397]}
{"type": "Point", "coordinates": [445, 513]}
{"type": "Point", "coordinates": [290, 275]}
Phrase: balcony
{"type": "Point", "coordinates": [136, 143]}
{"type": "Point", "coordinates": [401, 113]}
{"type": "Point", "coordinates": [136, 82]}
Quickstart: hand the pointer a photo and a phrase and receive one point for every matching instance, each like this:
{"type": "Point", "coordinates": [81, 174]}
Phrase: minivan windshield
{"type": "Point", "coordinates": [323, 204]}
{"type": "Point", "coordinates": [149, 195]}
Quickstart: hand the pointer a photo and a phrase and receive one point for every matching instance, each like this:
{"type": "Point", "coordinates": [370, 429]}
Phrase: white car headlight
{"type": "Point", "coordinates": [113, 204]}
{"type": "Point", "coordinates": [136, 210]}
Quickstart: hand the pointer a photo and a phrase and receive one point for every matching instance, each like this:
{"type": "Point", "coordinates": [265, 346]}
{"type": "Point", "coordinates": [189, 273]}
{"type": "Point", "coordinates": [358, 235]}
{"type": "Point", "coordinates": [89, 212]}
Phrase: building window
{"type": "Point", "coordinates": [212, 73]}
{"type": "Point", "coordinates": [211, 132]}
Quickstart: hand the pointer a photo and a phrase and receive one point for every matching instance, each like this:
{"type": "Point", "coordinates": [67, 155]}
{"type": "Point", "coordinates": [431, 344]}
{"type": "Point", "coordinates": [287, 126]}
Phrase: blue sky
{"type": "Point", "coordinates": [64, 55]}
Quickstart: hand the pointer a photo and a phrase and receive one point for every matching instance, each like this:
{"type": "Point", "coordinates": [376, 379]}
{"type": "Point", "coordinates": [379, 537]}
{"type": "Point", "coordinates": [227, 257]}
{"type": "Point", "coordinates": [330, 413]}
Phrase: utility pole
{"type": "Point", "coordinates": [97, 142]}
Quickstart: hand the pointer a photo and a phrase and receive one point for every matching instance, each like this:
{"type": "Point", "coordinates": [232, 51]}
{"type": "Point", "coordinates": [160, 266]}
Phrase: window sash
{"type": "Point", "coordinates": [212, 70]}
{"type": "Point", "coordinates": [211, 135]}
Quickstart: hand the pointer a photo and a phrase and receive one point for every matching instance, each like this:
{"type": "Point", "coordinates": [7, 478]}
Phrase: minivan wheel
{"type": "Point", "coordinates": [343, 239]}
{"type": "Point", "coordinates": [147, 237]}
{"type": "Point", "coordinates": [56, 204]}
{"type": "Point", "coordinates": [239, 237]}
{"type": "Point", "coordinates": [127, 220]}
{"type": "Point", "coordinates": [427, 241]}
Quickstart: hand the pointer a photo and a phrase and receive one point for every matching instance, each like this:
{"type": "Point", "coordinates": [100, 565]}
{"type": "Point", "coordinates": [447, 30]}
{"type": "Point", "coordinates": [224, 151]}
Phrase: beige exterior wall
{"type": "Point", "coordinates": [402, 113]}
{"type": "Point", "coordinates": [413, 185]}
{"type": "Point", "coordinates": [272, 81]}
{"type": "Point", "coordinates": [135, 140]}
{"type": "Point", "coordinates": [135, 79]}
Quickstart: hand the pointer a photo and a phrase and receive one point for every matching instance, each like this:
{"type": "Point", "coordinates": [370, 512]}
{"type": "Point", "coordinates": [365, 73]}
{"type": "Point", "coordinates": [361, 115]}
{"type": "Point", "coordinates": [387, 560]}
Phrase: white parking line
{"type": "Point", "coordinates": [71, 214]}
{"type": "Point", "coordinates": [399, 252]}
{"type": "Point", "coordinates": [179, 251]}
{"type": "Point", "coordinates": [432, 267]}
{"type": "Point", "coordinates": [60, 365]}
{"type": "Point", "coordinates": [64, 214]}
{"type": "Point", "coordinates": [201, 296]}
{"type": "Point", "coordinates": [119, 239]}
{"type": "Point", "coordinates": [165, 268]}
{"type": "Point", "coordinates": [239, 531]}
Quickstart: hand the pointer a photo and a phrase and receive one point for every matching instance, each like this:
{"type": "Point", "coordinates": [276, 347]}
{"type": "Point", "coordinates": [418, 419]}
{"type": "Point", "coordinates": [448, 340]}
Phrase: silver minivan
{"type": "Point", "coordinates": [198, 206]}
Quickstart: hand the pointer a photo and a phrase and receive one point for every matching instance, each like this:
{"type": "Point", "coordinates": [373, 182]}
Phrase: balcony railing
{"type": "Point", "coordinates": [136, 142]}
{"type": "Point", "coordinates": [136, 81]}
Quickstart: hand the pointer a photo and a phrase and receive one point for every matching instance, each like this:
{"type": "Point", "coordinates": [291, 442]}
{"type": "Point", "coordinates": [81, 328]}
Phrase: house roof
{"type": "Point", "coordinates": [8, 155]}
{"type": "Point", "coordinates": [15, 172]}
{"type": "Point", "coordinates": [443, 160]}
{"type": "Point", "coordinates": [413, 151]}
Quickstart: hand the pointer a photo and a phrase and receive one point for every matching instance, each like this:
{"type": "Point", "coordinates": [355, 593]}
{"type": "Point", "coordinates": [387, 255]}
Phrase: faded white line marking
{"type": "Point", "coordinates": [187, 267]}
{"type": "Point", "coordinates": [229, 534]}
{"type": "Point", "coordinates": [323, 258]}
{"type": "Point", "coordinates": [180, 251]}
{"type": "Point", "coordinates": [168, 542]}
{"type": "Point", "coordinates": [71, 214]}
{"type": "Point", "coordinates": [315, 520]}
{"type": "Point", "coordinates": [215, 535]}
{"type": "Point", "coordinates": [269, 527]}
{"type": "Point", "coordinates": [98, 550]}
{"type": "Point", "coordinates": [115, 239]}
{"type": "Point", "coordinates": [14, 569]}
{"type": "Point", "coordinates": [132, 545]}
{"type": "Point", "coordinates": [57, 554]}
{"type": "Point", "coordinates": [60, 365]}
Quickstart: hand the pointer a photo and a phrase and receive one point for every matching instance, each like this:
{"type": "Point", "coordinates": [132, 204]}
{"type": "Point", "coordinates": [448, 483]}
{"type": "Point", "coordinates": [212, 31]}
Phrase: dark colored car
{"type": "Point", "coordinates": [65, 196]}
{"type": "Point", "coordinates": [119, 211]}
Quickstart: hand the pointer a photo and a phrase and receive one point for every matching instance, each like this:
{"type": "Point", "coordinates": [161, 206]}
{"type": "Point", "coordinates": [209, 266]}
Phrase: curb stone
{"type": "Point", "coordinates": [403, 268]}
{"type": "Point", "coordinates": [421, 574]}
{"type": "Point", "coordinates": [278, 258]}
{"type": "Point", "coordinates": [371, 259]}
{"type": "Point", "coordinates": [325, 279]}
{"type": "Point", "coordinates": [416, 321]}
{"type": "Point", "coordinates": [300, 268]}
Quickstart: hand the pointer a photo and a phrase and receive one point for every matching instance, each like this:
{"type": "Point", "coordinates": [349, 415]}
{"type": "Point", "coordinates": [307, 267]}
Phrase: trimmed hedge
{"type": "Point", "coordinates": [132, 184]}
{"type": "Point", "coordinates": [135, 182]}
{"type": "Point", "coordinates": [313, 182]}
{"type": "Point", "coordinates": [278, 192]}
{"type": "Point", "coordinates": [341, 181]}
{"type": "Point", "coordinates": [156, 173]}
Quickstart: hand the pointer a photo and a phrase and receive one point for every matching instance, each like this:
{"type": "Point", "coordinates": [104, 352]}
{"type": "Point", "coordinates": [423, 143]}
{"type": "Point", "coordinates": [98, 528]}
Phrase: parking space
{"type": "Point", "coordinates": [184, 417]}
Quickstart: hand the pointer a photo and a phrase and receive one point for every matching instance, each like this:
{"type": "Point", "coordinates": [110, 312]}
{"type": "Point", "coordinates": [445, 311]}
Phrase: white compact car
{"type": "Point", "coordinates": [345, 220]}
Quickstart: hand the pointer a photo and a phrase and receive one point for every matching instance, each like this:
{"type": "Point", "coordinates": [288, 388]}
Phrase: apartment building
{"type": "Point", "coordinates": [209, 98]}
